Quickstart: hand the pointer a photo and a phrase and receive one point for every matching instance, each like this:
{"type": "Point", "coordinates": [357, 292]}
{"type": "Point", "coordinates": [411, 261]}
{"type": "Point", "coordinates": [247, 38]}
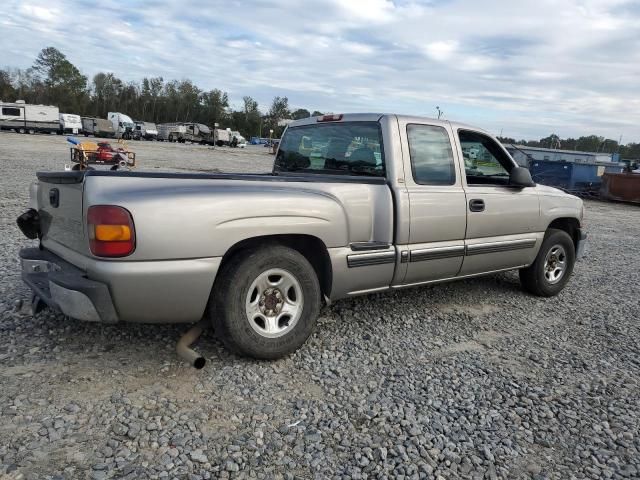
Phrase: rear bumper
{"type": "Point", "coordinates": [66, 288]}
{"type": "Point", "coordinates": [582, 244]}
{"type": "Point", "coordinates": [168, 291]}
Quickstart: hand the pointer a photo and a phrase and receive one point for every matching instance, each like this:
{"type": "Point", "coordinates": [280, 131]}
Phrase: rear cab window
{"type": "Point", "coordinates": [344, 148]}
{"type": "Point", "coordinates": [431, 155]}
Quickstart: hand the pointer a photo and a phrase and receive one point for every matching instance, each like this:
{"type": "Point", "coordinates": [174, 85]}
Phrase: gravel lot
{"type": "Point", "coordinates": [474, 379]}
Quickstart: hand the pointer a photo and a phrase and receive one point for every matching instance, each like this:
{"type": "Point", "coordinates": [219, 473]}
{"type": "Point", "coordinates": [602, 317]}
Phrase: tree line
{"type": "Point", "coordinates": [54, 80]}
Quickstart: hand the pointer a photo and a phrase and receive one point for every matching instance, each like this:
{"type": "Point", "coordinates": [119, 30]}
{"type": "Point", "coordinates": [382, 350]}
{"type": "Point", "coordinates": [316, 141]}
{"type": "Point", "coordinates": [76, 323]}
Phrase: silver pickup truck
{"type": "Point", "coordinates": [356, 203]}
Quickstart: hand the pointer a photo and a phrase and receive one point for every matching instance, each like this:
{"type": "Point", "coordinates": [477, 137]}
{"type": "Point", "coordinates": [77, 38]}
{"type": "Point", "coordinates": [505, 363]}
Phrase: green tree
{"type": "Point", "coordinates": [252, 118]}
{"type": "Point", "coordinates": [300, 113]}
{"type": "Point", "coordinates": [64, 85]}
{"type": "Point", "coordinates": [214, 106]}
{"type": "Point", "coordinates": [7, 92]}
{"type": "Point", "coordinates": [279, 111]}
{"type": "Point", "coordinates": [316, 113]}
{"type": "Point", "coordinates": [107, 93]}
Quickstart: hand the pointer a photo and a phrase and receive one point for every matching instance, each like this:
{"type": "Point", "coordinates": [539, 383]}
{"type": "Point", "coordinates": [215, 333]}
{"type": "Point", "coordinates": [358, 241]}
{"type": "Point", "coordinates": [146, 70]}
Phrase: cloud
{"type": "Point", "coordinates": [527, 68]}
{"type": "Point", "coordinates": [441, 50]}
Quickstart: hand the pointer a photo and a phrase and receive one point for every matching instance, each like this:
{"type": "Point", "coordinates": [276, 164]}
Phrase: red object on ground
{"type": "Point", "coordinates": [105, 152]}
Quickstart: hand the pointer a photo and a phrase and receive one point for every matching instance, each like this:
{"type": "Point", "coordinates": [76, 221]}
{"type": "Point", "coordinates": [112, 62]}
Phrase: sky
{"type": "Point", "coordinates": [523, 68]}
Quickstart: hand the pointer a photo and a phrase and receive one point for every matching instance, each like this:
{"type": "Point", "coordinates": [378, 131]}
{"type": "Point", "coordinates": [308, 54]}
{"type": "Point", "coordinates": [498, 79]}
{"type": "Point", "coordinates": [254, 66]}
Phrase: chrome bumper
{"type": "Point", "coordinates": [65, 288]}
{"type": "Point", "coordinates": [582, 244]}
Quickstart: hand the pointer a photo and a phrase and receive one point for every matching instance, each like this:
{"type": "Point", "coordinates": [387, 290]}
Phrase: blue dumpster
{"type": "Point", "coordinates": [570, 176]}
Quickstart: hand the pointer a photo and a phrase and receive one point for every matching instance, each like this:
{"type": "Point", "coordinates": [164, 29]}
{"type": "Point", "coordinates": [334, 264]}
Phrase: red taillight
{"type": "Point", "coordinates": [329, 118]}
{"type": "Point", "coordinates": [111, 231]}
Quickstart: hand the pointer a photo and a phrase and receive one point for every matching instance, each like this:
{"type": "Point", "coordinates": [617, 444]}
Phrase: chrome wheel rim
{"type": "Point", "coordinates": [555, 264]}
{"type": "Point", "coordinates": [274, 303]}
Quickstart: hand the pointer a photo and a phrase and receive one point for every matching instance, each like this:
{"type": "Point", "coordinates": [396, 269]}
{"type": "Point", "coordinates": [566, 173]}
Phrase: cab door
{"type": "Point", "coordinates": [502, 220]}
{"type": "Point", "coordinates": [437, 203]}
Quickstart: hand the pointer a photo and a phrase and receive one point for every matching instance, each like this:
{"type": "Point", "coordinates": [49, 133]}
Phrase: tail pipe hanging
{"type": "Point", "coordinates": [183, 347]}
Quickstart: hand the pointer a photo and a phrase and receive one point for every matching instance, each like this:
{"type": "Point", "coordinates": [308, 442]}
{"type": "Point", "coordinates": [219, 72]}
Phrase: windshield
{"type": "Point", "coordinates": [348, 148]}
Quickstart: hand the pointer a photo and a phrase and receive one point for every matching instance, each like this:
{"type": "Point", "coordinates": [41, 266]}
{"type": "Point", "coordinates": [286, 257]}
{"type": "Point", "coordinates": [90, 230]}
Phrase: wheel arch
{"type": "Point", "coordinates": [309, 246]}
{"type": "Point", "coordinates": [568, 224]}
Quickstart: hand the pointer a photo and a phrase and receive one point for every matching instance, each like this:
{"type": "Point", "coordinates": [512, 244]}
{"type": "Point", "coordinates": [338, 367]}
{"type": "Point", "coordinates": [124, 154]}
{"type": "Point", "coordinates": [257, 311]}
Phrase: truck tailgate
{"type": "Point", "coordinates": [59, 203]}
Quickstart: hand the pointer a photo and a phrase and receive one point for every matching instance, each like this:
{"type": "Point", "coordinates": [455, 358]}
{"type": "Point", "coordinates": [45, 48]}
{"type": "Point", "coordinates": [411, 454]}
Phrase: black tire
{"type": "Point", "coordinates": [231, 290]}
{"type": "Point", "coordinates": [534, 279]}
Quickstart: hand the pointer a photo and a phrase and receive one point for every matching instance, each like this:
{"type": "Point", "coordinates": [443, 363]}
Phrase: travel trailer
{"type": "Point", "coordinates": [70, 123]}
{"type": "Point", "coordinates": [146, 130]}
{"type": "Point", "coordinates": [221, 137]}
{"type": "Point", "coordinates": [172, 132]}
{"type": "Point", "coordinates": [98, 127]}
{"type": "Point", "coordinates": [25, 118]}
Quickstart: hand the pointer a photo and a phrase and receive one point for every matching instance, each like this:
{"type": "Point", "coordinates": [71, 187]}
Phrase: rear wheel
{"type": "Point", "coordinates": [265, 302]}
{"type": "Point", "coordinates": [550, 271]}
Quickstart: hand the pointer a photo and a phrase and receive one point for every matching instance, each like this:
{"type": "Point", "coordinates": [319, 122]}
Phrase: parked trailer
{"type": "Point", "coordinates": [70, 123]}
{"type": "Point", "coordinates": [26, 118]}
{"type": "Point", "coordinates": [623, 187]}
{"type": "Point", "coordinates": [221, 137]}
{"type": "Point", "coordinates": [172, 132]}
{"type": "Point", "coordinates": [146, 130]}
{"type": "Point", "coordinates": [98, 127]}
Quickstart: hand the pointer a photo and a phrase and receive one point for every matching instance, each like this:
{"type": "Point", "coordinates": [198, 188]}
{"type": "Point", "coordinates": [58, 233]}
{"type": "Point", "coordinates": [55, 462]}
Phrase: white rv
{"type": "Point", "coordinates": [222, 137]}
{"type": "Point", "coordinates": [70, 123]}
{"type": "Point", "coordinates": [23, 117]}
{"type": "Point", "coordinates": [122, 124]}
{"type": "Point", "coordinates": [172, 132]}
{"type": "Point", "coordinates": [146, 130]}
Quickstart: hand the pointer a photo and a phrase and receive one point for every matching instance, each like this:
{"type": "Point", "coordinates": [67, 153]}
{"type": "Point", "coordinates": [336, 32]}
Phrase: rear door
{"type": "Point", "coordinates": [502, 220]}
{"type": "Point", "coordinates": [436, 203]}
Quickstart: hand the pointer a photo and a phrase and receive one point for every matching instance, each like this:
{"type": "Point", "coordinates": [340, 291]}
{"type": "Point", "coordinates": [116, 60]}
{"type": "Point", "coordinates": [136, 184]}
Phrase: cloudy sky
{"type": "Point", "coordinates": [527, 67]}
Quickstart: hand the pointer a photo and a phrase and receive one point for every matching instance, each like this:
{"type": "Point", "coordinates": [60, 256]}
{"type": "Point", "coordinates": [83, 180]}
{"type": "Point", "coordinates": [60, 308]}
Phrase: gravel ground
{"type": "Point", "coordinates": [474, 379]}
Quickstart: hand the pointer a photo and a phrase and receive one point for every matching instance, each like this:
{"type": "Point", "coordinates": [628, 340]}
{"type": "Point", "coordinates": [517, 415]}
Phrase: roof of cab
{"type": "Point", "coordinates": [374, 117]}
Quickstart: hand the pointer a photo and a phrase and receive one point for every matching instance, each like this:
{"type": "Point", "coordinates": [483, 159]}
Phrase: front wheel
{"type": "Point", "coordinates": [550, 271]}
{"type": "Point", "coordinates": [265, 302]}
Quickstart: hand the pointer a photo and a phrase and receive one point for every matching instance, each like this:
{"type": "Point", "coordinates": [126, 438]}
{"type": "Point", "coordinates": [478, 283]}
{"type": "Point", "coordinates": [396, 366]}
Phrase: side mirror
{"type": "Point", "coordinates": [521, 177]}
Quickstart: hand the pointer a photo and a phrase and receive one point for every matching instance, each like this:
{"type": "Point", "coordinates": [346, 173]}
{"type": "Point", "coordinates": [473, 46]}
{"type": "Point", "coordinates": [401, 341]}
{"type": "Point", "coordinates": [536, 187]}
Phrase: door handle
{"type": "Point", "coordinates": [476, 205]}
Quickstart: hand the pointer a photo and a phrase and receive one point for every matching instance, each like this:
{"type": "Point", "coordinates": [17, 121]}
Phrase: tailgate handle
{"type": "Point", "coordinates": [476, 205]}
{"type": "Point", "coordinates": [54, 197]}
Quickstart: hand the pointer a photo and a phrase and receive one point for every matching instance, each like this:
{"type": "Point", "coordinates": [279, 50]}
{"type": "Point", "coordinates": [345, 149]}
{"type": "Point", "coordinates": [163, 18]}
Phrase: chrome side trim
{"type": "Point", "coordinates": [493, 247]}
{"type": "Point", "coordinates": [363, 246]}
{"type": "Point", "coordinates": [422, 254]}
{"type": "Point", "coordinates": [462, 277]}
{"type": "Point", "coordinates": [366, 259]}
{"type": "Point", "coordinates": [369, 290]}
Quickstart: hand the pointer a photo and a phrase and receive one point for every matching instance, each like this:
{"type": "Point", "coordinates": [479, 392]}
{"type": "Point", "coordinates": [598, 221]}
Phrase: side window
{"type": "Point", "coordinates": [12, 112]}
{"type": "Point", "coordinates": [485, 163]}
{"type": "Point", "coordinates": [431, 155]}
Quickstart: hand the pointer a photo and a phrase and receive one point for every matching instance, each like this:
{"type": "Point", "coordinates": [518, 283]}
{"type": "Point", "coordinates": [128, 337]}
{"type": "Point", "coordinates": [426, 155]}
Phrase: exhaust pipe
{"type": "Point", "coordinates": [183, 346]}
